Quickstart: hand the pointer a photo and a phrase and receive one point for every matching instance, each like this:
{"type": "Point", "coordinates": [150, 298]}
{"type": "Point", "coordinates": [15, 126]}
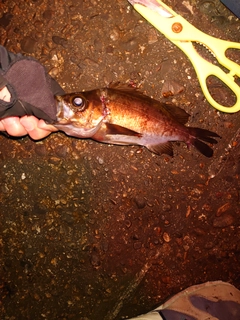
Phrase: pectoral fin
{"type": "Point", "coordinates": [112, 129]}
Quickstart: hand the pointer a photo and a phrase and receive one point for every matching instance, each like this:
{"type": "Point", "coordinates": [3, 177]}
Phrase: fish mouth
{"type": "Point", "coordinates": [64, 113]}
{"type": "Point", "coordinates": [67, 122]}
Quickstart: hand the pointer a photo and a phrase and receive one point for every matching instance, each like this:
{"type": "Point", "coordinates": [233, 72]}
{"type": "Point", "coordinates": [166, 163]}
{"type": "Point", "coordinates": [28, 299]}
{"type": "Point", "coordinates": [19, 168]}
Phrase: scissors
{"type": "Point", "coordinates": [183, 34]}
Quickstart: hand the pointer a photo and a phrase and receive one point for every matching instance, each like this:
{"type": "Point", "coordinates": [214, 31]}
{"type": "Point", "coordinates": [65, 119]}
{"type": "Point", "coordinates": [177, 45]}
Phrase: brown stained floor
{"type": "Point", "coordinates": [90, 231]}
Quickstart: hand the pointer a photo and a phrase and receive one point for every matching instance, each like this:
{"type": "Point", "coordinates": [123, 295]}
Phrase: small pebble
{"type": "Point", "coordinates": [28, 45]}
{"type": "Point", "coordinates": [48, 14]}
{"type": "Point", "coordinates": [140, 202]}
{"type": "Point", "coordinates": [54, 160]}
{"type": "Point", "coordinates": [61, 151]}
{"type": "Point", "coordinates": [40, 149]}
{"type": "Point", "coordinates": [223, 209]}
{"type": "Point", "coordinates": [166, 207]}
{"type": "Point", "coordinates": [60, 41]}
{"type": "Point", "coordinates": [137, 245]}
{"type": "Point", "coordinates": [5, 19]}
{"type": "Point", "coordinates": [95, 260]}
{"type": "Point", "coordinates": [223, 221]}
{"type": "Point", "coordinates": [100, 160]}
{"type": "Point", "coordinates": [166, 237]}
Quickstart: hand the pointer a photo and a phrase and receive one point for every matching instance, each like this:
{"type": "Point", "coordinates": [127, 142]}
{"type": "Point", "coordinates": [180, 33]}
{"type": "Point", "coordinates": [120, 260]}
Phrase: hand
{"type": "Point", "coordinates": [5, 94]}
{"type": "Point", "coordinates": [15, 126]}
{"type": "Point", "coordinates": [35, 128]}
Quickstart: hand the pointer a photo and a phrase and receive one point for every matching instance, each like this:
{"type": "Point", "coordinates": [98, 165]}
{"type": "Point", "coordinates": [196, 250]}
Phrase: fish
{"type": "Point", "coordinates": [123, 115]}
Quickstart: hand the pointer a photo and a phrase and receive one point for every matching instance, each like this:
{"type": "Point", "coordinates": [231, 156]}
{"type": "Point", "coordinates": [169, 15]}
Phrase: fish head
{"type": "Point", "coordinates": [80, 114]}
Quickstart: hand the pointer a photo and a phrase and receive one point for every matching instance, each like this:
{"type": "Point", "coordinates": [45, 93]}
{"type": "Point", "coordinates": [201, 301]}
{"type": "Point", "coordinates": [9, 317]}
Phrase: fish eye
{"type": "Point", "coordinates": [78, 102]}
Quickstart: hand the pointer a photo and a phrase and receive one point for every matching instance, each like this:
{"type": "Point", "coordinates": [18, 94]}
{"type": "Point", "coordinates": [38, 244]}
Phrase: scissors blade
{"type": "Point", "coordinates": [154, 6]}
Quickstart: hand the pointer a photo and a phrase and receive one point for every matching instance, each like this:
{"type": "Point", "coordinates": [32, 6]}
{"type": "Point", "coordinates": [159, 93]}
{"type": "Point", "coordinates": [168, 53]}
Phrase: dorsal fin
{"type": "Point", "coordinates": [128, 89]}
{"type": "Point", "coordinates": [179, 114]}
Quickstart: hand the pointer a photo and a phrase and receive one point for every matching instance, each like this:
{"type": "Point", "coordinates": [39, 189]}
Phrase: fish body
{"type": "Point", "coordinates": [124, 116]}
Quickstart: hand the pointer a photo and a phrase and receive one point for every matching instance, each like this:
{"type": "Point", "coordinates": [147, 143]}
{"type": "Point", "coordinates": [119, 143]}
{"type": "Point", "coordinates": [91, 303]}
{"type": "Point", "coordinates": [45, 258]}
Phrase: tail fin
{"type": "Point", "coordinates": [198, 134]}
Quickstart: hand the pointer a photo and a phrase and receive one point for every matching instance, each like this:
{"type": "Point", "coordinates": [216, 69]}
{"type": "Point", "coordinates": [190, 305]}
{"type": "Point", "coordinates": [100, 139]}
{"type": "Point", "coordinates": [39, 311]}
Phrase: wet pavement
{"type": "Point", "coordinates": [91, 231]}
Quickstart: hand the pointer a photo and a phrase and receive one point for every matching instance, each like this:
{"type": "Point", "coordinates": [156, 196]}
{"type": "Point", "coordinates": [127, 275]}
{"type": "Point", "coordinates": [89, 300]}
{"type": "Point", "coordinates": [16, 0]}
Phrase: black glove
{"type": "Point", "coordinates": [32, 89]}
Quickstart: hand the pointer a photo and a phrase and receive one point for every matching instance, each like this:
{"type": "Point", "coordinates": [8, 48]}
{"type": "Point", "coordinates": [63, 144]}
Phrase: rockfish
{"type": "Point", "coordinates": [125, 116]}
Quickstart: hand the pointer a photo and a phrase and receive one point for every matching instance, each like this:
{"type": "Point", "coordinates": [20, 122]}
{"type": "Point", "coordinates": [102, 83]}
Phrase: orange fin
{"type": "Point", "coordinates": [161, 148]}
{"type": "Point", "coordinates": [116, 129]}
{"type": "Point", "coordinates": [128, 89]}
{"type": "Point", "coordinates": [199, 134]}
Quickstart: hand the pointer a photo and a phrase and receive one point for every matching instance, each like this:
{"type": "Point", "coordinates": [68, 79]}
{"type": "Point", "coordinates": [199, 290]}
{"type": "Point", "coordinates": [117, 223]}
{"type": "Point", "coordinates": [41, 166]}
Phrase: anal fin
{"type": "Point", "coordinates": [161, 148]}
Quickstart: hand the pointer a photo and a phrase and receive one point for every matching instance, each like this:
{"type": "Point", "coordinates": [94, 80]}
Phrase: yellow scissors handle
{"type": "Point", "coordinates": [204, 69]}
{"type": "Point", "coordinates": [182, 34]}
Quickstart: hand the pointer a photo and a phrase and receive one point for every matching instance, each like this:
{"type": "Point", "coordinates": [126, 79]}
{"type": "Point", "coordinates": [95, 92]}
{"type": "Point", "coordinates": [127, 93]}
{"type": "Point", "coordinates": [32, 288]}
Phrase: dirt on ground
{"type": "Point", "coordinates": [94, 231]}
